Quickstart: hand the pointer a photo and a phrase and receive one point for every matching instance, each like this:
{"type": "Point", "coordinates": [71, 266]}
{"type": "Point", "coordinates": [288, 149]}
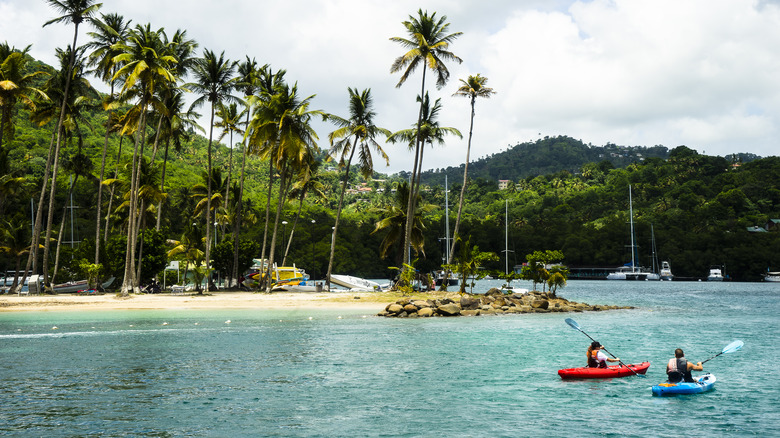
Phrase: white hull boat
{"type": "Point", "coordinates": [355, 283]}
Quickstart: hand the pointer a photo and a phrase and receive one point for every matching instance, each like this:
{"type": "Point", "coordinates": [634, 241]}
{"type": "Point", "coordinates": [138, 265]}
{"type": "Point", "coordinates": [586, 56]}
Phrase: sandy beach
{"type": "Point", "coordinates": [365, 301]}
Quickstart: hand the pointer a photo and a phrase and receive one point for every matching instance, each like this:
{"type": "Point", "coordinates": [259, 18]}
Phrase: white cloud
{"type": "Point", "coordinates": [643, 72]}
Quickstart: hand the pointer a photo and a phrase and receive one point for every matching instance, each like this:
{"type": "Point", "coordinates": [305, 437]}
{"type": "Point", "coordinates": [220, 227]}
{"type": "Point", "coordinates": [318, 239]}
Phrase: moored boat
{"type": "Point", "coordinates": [772, 277]}
{"type": "Point", "coordinates": [632, 271]}
{"type": "Point", "coordinates": [609, 372]}
{"type": "Point", "coordinates": [716, 274]}
{"type": "Point", "coordinates": [700, 384]}
{"type": "Point", "coordinates": [666, 272]}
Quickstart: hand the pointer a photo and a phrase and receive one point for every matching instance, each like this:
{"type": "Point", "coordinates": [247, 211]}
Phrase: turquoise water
{"type": "Point", "coordinates": [190, 373]}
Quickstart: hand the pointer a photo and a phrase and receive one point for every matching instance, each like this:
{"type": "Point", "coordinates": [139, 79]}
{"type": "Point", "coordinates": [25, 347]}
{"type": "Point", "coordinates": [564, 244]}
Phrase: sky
{"type": "Point", "coordinates": [699, 73]}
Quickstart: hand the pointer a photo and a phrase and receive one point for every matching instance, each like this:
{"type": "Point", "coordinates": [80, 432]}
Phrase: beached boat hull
{"type": "Point", "coordinates": [609, 372]}
{"type": "Point", "coordinates": [703, 383]}
{"type": "Point", "coordinates": [354, 283]}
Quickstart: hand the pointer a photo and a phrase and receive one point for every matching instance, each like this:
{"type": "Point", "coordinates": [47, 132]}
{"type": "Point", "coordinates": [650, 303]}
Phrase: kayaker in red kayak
{"type": "Point", "coordinates": [597, 358]}
{"type": "Point", "coordinates": [679, 369]}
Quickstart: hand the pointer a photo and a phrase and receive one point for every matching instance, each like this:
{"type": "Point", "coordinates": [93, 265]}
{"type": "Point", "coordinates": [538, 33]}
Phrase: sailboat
{"type": "Point", "coordinates": [632, 271]}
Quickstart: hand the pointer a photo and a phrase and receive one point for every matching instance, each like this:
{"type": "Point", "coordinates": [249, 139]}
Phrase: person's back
{"type": "Point", "coordinates": [679, 369]}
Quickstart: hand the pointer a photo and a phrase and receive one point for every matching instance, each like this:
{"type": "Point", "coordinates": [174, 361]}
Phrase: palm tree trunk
{"type": "Point", "coordinates": [111, 194]}
{"type": "Point", "coordinates": [411, 203]}
{"type": "Point", "coordinates": [227, 182]}
{"type": "Point", "coordinates": [295, 223]}
{"type": "Point", "coordinates": [465, 180]}
{"type": "Point", "coordinates": [208, 206]}
{"type": "Point", "coordinates": [35, 241]}
{"type": "Point", "coordinates": [267, 211]}
{"type": "Point", "coordinates": [162, 185]}
{"type": "Point", "coordinates": [338, 214]}
{"type": "Point", "coordinates": [141, 242]}
{"type": "Point", "coordinates": [100, 182]}
{"type": "Point", "coordinates": [282, 197]}
{"type": "Point", "coordinates": [128, 284]}
{"type": "Point", "coordinates": [239, 206]}
{"type": "Point", "coordinates": [50, 218]}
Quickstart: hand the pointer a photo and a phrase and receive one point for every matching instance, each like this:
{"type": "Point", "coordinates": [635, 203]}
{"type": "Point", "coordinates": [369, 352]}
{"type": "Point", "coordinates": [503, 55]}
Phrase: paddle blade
{"type": "Point", "coordinates": [572, 323]}
{"type": "Point", "coordinates": [732, 347]}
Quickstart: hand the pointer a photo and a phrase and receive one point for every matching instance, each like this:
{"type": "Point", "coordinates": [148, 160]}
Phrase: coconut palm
{"type": "Point", "coordinates": [358, 133]}
{"type": "Point", "coordinates": [146, 66]}
{"type": "Point", "coordinates": [393, 223]}
{"type": "Point", "coordinates": [248, 75]}
{"type": "Point", "coordinates": [472, 87]}
{"type": "Point", "coordinates": [214, 81]}
{"type": "Point", "coordinates": [15, 86]}
{"type": "Point", "coordinates": [281, 129]}
{"type": "Point", "coordinates": [179, 122]}
{"type": "Point", "coordinates": [110, 29]}
{"type": "Point", "coordinates": [428, 45]}
{"type": "Point", "coordinates": [230, 123]}
{"type": "Point", "coordinates": [14, 242]}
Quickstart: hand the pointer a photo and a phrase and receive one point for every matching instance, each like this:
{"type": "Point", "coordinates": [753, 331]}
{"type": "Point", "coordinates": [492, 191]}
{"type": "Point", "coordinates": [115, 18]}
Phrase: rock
{"type": "Point", "coordinates": [450, 309]}
{"type": "Point", "coordinates": [425, 312]}
{"type": "Point", "coordinates": [469, 303]}
{"type": "Point", "coordinates": [476, 312]}
{"type": "Point", "coordinates": [394, 308]}
{"type": "Point", "coordinates": [540, 304]}
{"type": "Point", "coordinates": [421, 303]}
{"type": "Point", "coordinates": [410, 308]}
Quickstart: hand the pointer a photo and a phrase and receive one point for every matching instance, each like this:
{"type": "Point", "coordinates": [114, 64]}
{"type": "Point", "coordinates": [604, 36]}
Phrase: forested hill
{"type": "Point", "coordinates": [548, 156]}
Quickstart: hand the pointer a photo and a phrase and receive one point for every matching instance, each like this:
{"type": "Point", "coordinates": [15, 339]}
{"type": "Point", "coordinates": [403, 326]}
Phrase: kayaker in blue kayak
{"type": "Point", "coordinates": [597, 358]}
{"type": "Point", "coordinates": [679, 369]}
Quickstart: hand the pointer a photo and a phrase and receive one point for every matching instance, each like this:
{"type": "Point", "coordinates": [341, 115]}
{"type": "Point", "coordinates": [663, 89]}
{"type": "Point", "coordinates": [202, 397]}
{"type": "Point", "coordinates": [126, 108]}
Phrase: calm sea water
{"type": "Point", "coordinates": [176, 373]}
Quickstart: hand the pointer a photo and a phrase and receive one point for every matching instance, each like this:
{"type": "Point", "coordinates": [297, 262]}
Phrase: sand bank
{"type": "Point", "coordinates": [365, 301]}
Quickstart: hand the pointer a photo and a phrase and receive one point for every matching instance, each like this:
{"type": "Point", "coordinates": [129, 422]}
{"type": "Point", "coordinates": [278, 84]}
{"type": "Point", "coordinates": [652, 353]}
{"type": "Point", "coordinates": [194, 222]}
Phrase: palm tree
{"type": "Point", "coordinates": [15, 86]}
{"type": "Point", "coordinates": [394, 223]}
{"type": "Point", "coordinates": [189, 245]}
{"type": "Point", "coordinates": [145, 67]}
{"type": "Point", "coordinates": [111, 29]}
{"type": "Point", "coordinates": [178, 124]}
{"type": "Point", "coordinates": [282, 131]}
{"type": "Point", "coordinates": [214, 81]}
{"type": "Point", "coordinates": [473, 87]}
{"type": "Point", "coordinates": [428, 44]}
{"type": "Point", "coordinates": [230, 122]}
{"type": "Point", "coordinates": [247, 82]}
{"type": "Point", "coordinates": [359, 132]}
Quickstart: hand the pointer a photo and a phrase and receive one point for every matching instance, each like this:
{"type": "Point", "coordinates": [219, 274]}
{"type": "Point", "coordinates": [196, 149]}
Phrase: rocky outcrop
{"type": "Point", "coordinates": [494, 302]}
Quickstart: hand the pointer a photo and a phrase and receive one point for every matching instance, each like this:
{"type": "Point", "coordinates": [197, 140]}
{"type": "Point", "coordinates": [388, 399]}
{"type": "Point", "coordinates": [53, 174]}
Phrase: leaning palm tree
{"type": "Point", "coordinates": [473, 87]}
{"type": "Point", "coordinates": [308, 182]}
{"type": "Point", "coordinates": [145, 68]}
{"type": "Point", "coordinates": [428, 45]}
{"type": "Point", "coordinates": [110, 29]}
{"type": "Point", "coordinates": [214, 81]}
{"type": "Point", "coordinates": [358, 133]}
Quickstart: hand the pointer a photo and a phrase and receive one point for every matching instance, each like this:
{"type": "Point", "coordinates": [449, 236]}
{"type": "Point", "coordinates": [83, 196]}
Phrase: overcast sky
{"type": "Point", "coordinates": [700, 73]}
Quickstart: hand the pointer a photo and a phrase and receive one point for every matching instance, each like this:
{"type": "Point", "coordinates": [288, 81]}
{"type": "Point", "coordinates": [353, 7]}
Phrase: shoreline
{"type": "Point", "coordinates": [369, 301]}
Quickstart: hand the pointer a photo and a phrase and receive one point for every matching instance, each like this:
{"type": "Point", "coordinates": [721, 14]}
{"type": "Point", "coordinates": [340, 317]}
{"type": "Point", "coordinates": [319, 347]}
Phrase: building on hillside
{"type": "Point", "coordinates": [503, 184]}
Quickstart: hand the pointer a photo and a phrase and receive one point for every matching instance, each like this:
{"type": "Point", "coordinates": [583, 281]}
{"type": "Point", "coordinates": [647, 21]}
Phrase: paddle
{"type": "Point", "coordinates": [576, 326]}
{"type": "Point", "coordinates": [732, 347]}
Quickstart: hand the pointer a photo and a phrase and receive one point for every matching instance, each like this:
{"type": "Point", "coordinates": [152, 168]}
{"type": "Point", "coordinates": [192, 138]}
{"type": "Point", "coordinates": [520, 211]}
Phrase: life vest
{"type": "Point", "coordinates": [593, 361]}
{"type": "Point", "coordinates": [677, 370]}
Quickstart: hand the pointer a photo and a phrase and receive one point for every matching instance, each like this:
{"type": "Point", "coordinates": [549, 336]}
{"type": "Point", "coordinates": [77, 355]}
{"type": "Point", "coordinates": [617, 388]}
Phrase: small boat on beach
{"type": "Point", "coordinates": [76, 286]}
{"type": "Point", "coordinates": [355, 283]}
{"type": "Point", "coordinates": [609, 372]}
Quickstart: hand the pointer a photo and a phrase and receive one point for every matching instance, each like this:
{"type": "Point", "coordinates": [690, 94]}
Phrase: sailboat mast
{"type": "Point", "coordinates": [631, 217]}
{"type": "Point", "coordinates": [506, 236]}
{"type": "Point", "coordinates": [447, 218]}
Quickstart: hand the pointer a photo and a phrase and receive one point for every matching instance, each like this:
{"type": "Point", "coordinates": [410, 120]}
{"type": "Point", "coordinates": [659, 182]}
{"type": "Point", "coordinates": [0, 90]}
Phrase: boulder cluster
{"type": "Point", "coordinates": [494, 302]}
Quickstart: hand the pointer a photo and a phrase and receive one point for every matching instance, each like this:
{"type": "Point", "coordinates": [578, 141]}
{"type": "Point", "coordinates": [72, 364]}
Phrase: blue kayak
{"type": "Point", "coordinates": [702, 383]}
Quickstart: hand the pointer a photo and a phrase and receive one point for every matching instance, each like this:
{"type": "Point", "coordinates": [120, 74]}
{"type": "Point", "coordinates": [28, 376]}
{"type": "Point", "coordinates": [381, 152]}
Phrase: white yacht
{"type": "Point", "coordinates": [666, 272]}
{"type": "Point", "coordinates": [632, 271]}
{"type": "Point", "coordinates": [716, 274]}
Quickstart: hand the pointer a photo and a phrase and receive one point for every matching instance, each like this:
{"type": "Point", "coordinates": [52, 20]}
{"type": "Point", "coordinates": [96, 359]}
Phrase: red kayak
{"type": "Point", "coordinates": [604, 373]}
